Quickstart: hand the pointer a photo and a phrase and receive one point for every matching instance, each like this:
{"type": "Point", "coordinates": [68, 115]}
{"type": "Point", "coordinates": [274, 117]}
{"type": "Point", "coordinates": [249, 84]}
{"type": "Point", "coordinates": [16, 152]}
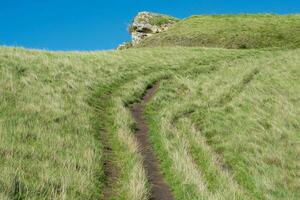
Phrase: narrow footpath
{"type": "Point", "coordinates": [160, 190]}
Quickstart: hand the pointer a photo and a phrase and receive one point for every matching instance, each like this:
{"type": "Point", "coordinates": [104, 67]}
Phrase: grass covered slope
{"type": "Point", "coordinates": [53, 109]}
{"type": "Point", "coordinates": [231, 31]}
{"type": "Point", "coordinates": [224, 124]}
{"type": "Point", "coordinates": [231, 130]}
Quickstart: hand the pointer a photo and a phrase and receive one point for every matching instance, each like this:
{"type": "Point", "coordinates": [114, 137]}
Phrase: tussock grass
{"type": "Point", "coordinates": [51, 120]}
{"type": "Point", "coordinates": [232, 123]}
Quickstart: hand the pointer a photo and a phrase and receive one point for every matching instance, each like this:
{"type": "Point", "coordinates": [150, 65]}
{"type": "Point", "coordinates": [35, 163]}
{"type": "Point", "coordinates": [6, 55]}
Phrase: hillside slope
{"type": "Point", "coordinates": [223, 125]}
{"type": "Point", "coordinates": [231, 31]}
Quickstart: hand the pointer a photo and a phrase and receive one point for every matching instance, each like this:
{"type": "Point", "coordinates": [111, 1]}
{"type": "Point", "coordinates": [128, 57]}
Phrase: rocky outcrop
{"type": "Point", "coordinates": [145, 24]}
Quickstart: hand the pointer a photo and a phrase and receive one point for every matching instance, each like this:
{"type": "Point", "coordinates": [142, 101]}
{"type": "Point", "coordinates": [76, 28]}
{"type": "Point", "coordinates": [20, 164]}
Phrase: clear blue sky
{"type": "Point", "coordinates": [102, 24]}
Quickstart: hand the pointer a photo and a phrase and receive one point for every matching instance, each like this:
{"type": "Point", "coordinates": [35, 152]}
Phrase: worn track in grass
{"type": "Point", "coordinates": [109, 168]}
{"type": "Point", "coordinates": [160, 190]}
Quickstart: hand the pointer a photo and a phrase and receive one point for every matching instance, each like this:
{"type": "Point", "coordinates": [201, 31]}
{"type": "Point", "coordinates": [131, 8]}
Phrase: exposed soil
{"type": "Point", "coordinates": [111, 174]}
{"type": "Point", "coordinates": [160, 190]}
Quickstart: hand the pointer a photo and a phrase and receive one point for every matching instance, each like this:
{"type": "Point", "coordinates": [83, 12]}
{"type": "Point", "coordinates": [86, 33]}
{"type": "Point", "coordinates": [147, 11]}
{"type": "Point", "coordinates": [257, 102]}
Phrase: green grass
{"type": "Point", "coordinates": [159, 19]}
{"type": "Point", "coordinates": [49, 118]}
{"type": "Point", "coordinates": [224, 123]}
{"type": "Point", "coordinates": [231, 31]}
{"type": "Point", "coordinates": [240, 126]}
{"type": "Point", "coordinates": [162, 19]}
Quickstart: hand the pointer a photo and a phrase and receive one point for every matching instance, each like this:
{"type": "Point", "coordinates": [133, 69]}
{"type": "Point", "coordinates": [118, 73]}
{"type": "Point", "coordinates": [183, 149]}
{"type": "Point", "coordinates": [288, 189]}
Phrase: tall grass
{"type": "Point", "coordinates": [50, 143]}
{"type": "Point", "coordinates": [224, 124]}
{"type": "Point", "coordinates": [239, 124]}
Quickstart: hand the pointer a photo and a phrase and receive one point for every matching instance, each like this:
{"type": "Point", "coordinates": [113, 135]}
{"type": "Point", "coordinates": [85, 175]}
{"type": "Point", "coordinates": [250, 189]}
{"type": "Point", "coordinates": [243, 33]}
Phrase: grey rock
{"type": "Point", "coordinates": [146, 24]}
{"type": "Point", "coordinates": [142, 26]}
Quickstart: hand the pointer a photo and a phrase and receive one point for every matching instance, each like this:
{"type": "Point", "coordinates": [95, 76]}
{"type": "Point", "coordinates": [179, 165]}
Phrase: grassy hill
{"type": "Point", "coordinates": [231, 31]}
{"type": "Point", "coordinates": [224, 123]}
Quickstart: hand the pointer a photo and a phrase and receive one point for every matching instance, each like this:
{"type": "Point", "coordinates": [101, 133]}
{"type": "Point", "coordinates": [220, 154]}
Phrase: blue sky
{"type": "Point", "coordinates": [102, 24]}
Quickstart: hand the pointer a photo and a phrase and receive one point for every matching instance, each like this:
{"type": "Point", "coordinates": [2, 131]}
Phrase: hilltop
{"type": "Point", "coordinates": [230, 31]}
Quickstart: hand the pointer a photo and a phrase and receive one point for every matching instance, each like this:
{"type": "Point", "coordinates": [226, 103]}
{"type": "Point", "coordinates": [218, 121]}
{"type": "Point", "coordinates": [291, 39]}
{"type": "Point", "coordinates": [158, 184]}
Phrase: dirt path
{"type": "Point", "coordinates": [110, 172]}
{"type": "Point", "coordinates": [160, 190]}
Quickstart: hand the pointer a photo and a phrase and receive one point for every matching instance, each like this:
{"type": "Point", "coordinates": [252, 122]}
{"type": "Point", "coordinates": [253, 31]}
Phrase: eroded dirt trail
{"type": "Point", "coordinates": [160, 190]}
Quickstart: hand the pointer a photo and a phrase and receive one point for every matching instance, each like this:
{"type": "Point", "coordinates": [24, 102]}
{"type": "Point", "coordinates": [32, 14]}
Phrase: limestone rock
{"type": "Point", "coordinates": [145, 24]}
